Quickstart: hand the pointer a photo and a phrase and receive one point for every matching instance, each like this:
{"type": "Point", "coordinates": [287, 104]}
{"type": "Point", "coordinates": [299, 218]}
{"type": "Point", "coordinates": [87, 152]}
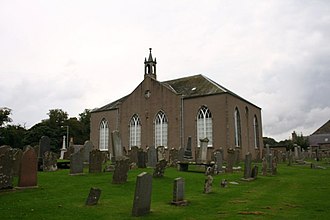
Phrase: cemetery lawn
{"type": "Point", "coordinates": [296, 192]}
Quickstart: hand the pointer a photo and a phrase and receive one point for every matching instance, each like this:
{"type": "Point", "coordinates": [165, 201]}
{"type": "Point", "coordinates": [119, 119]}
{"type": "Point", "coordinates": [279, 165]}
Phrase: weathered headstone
{"type": "Point", "coordinates": [77, 163]}
{"type": "Point", "coordinates": [88, 147]}
{"type": "Point", "coordinates": [290, 158]}
{"type": "Point", "coordinates": [274, 166]}
{"type": "Point", "coordinates": [116, 144]}
{"type": "Point", "coordinates": [188, 151]}
{"type": "Point", "coordinates": [264, 166]}
{"type": "Point", "coordinates": [133, 154]}
{"type": "Point", "coordinates": [178, 192]}
{"type": "Point", "coordinates": [152, 156]}
{"type": "Point", "coordinates": [173, 159]}
{"type": "Point", "coordinates": [161, 155]}
{"type": "Point", "coordinates": [93, 196]}
{"type": "Point", "coordinates": [208, 184]}
{"type": "Point", "coordinates": [218, 160]}
{"type": "Point", "coordinates": [254, 172]}
{"type": "Point", "coordinates": [28, 169]}
{"type": "Point", "coordinates": [142, 196]}
{"type": "Point", "coordinates": [49, 161]}
{"type": "Point", "coordinates": [142, 159]}
{"type": "Point", "coordinates": [44, 145]}
{"type": "Point", "coordinates": [247, 167]}
{"type": "Point", "coordinates": [95, 161]}
{"type": "Point", "coordinates": [121, 169]}
{"type": "Point", "coordinates": [6, 167]}
{"type": "Point", "coordinates": [181, 154]}
{"type": "Point", "coordinates": [237, 153]}
{"type": "Point", "coordinates": [202, 157]}
{"type": "Point", "coordinates": [160, 168]}
{"type": "Point", "coordinates": [230, 160]}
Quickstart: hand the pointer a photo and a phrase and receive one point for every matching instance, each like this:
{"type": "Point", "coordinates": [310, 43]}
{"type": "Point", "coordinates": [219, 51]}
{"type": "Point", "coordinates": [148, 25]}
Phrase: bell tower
{"type": "Point", "coordinates": [150, 66]}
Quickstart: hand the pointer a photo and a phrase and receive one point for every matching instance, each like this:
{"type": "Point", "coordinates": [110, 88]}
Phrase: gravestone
{"type": "Point", "coordinates": [181, 154]}
{"type": "Point", "coordinates": [49, 161]}
{"type": "Point", "coordinates": [152, 156]}
{"type": "Point", "coordinates": [28, 169]}
{"type": "Point", "coordinates": [133, 154]}
{"type": "Point", "coordinates": [95, 161]}
{"type": "Point", "coordinates": [93, 196]}
{"type": "Point", "coordinates": [142, 159]}
{"type": "Point", "coordinates": [173, 159]}
{"type": "Point", "coordinates": [237, 153]}
{"type": "Point", "coordinates": [202, 157]}
{"type": "Point", "coordinates": [121, 170]}
{"type": "Point", "coordinates": [17, 156]}
{"type": "Point", "coordinates": [290, 158]}
{"type": "Point", "coordinates": [295, 147]}
{"type": "Point", "coordinates": [178, 192]}
{"type": "Point", "coordinates": [6, 167]}
{"type": "Point", "coordinates": [208, 184]}
{"type": "Point", "coordinates": [254, 172]}
{"type": "Point", "coordinates": [116, 144]}
{"type": "Point", "coordinates": [274, 166]}
{"type": "Point", "coordinates": [44, 146]}
{"type": "Point", "coordinates": [188, 152]}
{"type": "Point", "coordinates": [264, 166]}
{"type": "Point", "coordinates": [247, 167]}
{"type": "Point", "coordinates": [88, 147]}
{"type": "Point", "coordinates": [160, 168]}
{"type": "Point", "coordinates": [77, 163]}
{"type": "Point", "coordinates": [142, 195]}
{"type": "Point", "coordinates": [218, 160]}
{"type": "Point", "coordinates": [161, 155]}
{"type": "Point", "coordinates": [230, 160]}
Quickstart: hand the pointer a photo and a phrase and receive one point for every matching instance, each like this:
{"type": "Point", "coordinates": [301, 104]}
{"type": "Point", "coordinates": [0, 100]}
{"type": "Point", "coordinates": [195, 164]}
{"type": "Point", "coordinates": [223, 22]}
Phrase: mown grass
{"type": "Point", "coordinates": [296, 192]}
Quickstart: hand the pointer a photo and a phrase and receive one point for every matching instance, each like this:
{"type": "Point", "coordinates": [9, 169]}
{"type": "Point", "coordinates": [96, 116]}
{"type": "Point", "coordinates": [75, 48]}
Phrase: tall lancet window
{"type": "Point", "coordinates": [161, 126]}
{"type": "Point", "coordinates": [135, 131]}
{"type": "Point", "coordinates": [204, 125]}
{"type": "Point", "coordinates": [104, 135]}
{"type": "Point", "coordinates": [256, 132]}
{"type": "Point", "coordinates": [237, 123]}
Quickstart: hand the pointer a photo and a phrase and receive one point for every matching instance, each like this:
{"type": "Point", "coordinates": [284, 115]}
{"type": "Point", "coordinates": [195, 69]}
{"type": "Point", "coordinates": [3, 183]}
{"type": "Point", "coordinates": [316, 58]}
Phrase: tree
{"type": "Point", "coordinates": [57, 118]}
{"type": "Point", "coordinates": [270, 141]}
{"type": "Point", "coordinates": [13, 136]}
{"type": "Point", "coordinates": [85, 119]}
{"type": "Point", "coordinates": [4, 116]}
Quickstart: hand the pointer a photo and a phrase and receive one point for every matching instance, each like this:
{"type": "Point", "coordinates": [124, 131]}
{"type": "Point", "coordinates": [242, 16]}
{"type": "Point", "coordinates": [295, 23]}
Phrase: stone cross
{"type": "Point", "coordinates": [142, 196]}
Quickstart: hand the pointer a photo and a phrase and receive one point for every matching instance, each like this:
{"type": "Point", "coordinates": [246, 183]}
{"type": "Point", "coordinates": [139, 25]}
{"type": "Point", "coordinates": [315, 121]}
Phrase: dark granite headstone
{"type": "Point", "coordinates": [188, 150]}
{"type": "Point", "coordinates": [95, 161]}
{"type": "Point", "coordinates": [247, 167]}
{"type": "Point", "coordinates": [49, 161]}
{"type": "Point", "coordinates": [93, 196]}
{"type": "Point", "coordinates": [121, 169]}
{"type": "Point", "coordinates": [142, 159]}
{"type": "Point", "coordinates": [178, 192]}
{"type": "Point", "coordinates": [160, 168]}
{"type": "Point", "coordinates": [133, 154]}
{"type": "Point", "coordinates": [28, 169]}
{"type": "Point", "coordinates": [6, 167]}
{"type": "Point", "coordinates": [142, 196]}
{"type": "Point", "coordinates": [152, 156]}
{"type": "Point", "coordinates": [44, 146]}
{"type": "Point", "coordinates": [77, 163]}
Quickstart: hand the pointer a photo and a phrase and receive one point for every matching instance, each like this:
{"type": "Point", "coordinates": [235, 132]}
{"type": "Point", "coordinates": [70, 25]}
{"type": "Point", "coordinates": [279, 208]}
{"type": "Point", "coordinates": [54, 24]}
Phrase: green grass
{"type": "Point", "coordinates": [297, 192]}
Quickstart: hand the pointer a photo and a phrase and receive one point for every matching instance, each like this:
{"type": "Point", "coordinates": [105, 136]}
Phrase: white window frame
{"type": "Point", "coordinates": [161, 129]}
{"type": "Point", "coordinates": [204, 126]}
{"type": "Point", "coordinates": [256, 132]}
{"type": "Point", "coordinates": [104, 135]}
{"type": "Point", "coordinates": [237, 125]}
{"type": "Point", "coordinates": [135, 131]}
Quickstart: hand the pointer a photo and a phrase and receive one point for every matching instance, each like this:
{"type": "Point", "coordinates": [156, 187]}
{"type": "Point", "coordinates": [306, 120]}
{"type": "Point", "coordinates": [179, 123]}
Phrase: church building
{"type": "Point", "coordinates": [167, 113]}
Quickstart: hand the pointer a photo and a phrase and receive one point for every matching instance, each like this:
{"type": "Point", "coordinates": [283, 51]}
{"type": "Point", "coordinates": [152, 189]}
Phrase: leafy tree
{"type": "Point", "coordinates": [57, 118]}
{"type": "Point", "coordinates": [13, 136]}
{"type": "Point", "coordinates": [4, 116]}
{"type": "Point", "coordinates": [270, 141]}
{"type": "Point", "coordinates": [85, 119]}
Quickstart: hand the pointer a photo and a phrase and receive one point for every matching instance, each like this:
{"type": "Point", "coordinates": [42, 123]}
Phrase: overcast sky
{"type": "Point", "coordinates": [76, 55]}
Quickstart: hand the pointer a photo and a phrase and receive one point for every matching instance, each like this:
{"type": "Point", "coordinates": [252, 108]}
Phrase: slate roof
{"type": "Point", "coordinates": [188, 87]}
{"type": "Point", "coordinates": [324, 129]}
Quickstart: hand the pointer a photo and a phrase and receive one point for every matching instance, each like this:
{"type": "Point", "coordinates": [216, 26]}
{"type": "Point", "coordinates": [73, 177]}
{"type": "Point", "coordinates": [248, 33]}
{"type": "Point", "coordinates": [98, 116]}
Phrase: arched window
{"type": "Point", "coordinates": [256, 132]}
{"type": "Point", "coordinates": [204, 125]}
{"type": "Point", "coordinates": [104, 135]}
{"type": "Point", "coordinates": [161, 129]}
{"type": "Point", "coordinates": [237, 121]}
{"type": "Point", "coordinates": [135, 131]}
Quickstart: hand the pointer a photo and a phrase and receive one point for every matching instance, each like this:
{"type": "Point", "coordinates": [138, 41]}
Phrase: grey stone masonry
{"type": "Point", "coordinates": [142, 196]}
